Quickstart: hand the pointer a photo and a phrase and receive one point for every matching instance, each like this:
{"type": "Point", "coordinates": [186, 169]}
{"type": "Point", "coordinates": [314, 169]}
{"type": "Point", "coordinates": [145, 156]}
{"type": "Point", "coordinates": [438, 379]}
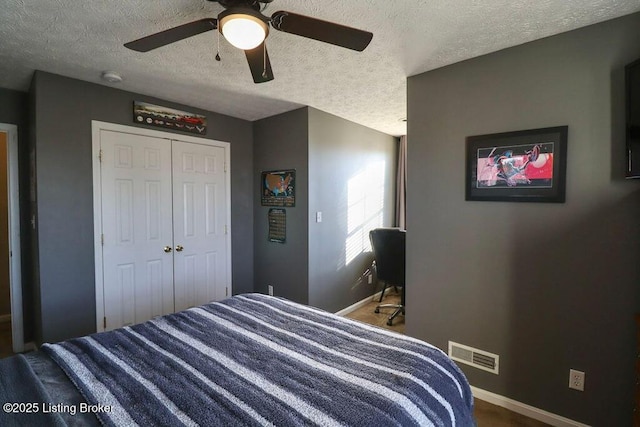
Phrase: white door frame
{"type": "Point", "coordinates": [15, 264]}
{"type": "Point", "coordinates": [96, 127]}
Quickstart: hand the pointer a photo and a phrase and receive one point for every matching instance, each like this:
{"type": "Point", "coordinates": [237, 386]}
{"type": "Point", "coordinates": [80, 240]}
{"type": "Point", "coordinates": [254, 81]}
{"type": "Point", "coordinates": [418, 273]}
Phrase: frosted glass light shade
{"type": "Point", "coordinates": [242, 30]}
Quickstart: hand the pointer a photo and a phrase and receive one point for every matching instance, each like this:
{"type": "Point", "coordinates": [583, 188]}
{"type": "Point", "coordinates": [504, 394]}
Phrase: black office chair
{"type": "Point", "coordinates": [389, 252]}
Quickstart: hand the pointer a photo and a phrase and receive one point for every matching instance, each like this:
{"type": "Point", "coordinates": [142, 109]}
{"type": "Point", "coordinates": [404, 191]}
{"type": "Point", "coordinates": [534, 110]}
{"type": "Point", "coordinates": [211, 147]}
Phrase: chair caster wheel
{"type": "Point", "coordinates": [389, 322]}
{"type": "Point", "coordinates": [377, 310]}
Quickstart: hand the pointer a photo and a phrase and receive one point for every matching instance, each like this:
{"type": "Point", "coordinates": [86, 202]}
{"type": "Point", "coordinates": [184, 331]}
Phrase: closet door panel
{"type": "Point", "coordinates": [199, 227]}
{"type": "Point", "coordinates": [137, 227]}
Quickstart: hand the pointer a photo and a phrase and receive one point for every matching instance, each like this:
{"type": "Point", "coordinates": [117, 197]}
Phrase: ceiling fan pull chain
{"type": "Point", "coordinates": [218, 52]}
{"type": "Point", "coordinates": [264, 60]}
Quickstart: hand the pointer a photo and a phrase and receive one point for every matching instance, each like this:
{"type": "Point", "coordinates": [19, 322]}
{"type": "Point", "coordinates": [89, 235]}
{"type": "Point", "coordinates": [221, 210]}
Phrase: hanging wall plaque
{"type": "Point", "coordinates": [277, 225]}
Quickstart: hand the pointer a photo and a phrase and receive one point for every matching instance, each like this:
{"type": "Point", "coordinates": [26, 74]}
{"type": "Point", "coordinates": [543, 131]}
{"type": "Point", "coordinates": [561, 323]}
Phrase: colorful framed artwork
{"type": "Point", "coordinates": [279, 188]}
{"type": "Point", "coordinates": [521, 166]}
{"type": "Point", "coordinates": [168, 118]}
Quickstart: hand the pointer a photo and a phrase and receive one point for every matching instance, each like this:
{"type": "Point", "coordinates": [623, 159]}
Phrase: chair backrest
{"type": "Point", "coordinates": [389, 252]}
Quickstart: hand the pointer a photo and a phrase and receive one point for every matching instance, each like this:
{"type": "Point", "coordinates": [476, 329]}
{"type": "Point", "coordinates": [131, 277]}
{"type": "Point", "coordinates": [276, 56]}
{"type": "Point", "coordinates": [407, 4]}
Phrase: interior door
{"type": "Point", "coordinates": [137, 228]}
{"type": "Point", "coordinates": [199, 200]}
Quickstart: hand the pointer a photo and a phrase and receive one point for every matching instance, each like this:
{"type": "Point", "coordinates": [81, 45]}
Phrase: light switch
{"type": "Point", "coordinates": [318, 216]}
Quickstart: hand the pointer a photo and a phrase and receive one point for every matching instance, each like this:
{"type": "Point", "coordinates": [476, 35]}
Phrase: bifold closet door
{"type": "Point", "coordinates": [137, 228]}
{"type": "Point", "coordinates": [199, 210]}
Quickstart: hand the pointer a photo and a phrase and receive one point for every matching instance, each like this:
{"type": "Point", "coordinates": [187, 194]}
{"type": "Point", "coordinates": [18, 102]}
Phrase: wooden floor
{"type": "Point", "coordinates": [486, 414]}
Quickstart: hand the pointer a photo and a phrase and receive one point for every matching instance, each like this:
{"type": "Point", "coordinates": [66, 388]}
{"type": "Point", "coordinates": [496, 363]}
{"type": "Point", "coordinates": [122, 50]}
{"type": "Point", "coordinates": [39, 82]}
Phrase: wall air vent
{"type": "Point", "coordinates": [473, 357]}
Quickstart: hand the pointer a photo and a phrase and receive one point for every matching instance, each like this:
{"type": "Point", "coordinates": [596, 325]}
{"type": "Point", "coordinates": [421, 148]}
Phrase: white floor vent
{"type": "Point", "coordinates": [472, 356]}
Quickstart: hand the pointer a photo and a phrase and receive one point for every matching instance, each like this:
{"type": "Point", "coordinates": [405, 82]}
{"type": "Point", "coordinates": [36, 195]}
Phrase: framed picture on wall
{"type": "Point", "coordinates": [279, 188]}
{"type": "Point", "coordinates": [520, 166]}
{"type": "Point", "coordinates": [168, 118]}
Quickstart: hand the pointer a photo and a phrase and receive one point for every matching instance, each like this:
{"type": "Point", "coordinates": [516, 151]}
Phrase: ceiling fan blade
{"type": "Point", "coordinates": [323, 31]}
{"type": "Point", "coordinates": [259, 63]}
{"type": "Point", "coordinates": [181, 32]}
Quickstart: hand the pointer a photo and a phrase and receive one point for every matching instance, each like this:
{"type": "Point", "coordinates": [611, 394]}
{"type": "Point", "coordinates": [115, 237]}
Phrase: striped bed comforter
{"type": "Point", "coordinates": [259, 360]}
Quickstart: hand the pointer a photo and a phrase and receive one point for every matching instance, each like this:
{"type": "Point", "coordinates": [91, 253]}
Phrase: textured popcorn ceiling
{"type": "Point", "coordinates": [80, 39]}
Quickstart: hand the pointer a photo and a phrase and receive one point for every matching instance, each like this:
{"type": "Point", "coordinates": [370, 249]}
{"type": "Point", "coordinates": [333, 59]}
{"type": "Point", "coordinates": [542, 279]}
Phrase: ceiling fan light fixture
{"type": "Point", "coordinates": [243, 28]}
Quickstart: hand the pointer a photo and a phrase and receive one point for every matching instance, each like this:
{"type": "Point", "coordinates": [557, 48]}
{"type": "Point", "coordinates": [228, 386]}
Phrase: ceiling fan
{"type": "Point", "coordinates": [244, 26]}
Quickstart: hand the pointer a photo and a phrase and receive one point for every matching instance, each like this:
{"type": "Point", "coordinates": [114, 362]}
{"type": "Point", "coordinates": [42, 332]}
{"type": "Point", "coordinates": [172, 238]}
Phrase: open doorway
{"type": "Point", "coordinates": [11, 313]}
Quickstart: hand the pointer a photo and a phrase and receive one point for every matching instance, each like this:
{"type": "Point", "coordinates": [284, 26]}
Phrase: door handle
{"type": "Point", "coordinates": [179, 248]}
{"type": "Point", "coordinates": [167, 249]}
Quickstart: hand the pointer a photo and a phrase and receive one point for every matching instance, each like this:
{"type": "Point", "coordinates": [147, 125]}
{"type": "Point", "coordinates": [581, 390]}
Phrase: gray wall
{"type": "Point", "coordinates": [548, 287]}
{"type": "Point", "coordinates": [62, 113]}
{"type": "Point", "coordinates": [14, 110]}
{"type": "Point", "coordinates": [281, 142]}
{"type": "Point", "coordinates": [340, 150]}
{"type": "Point", "coordinates": [326, 152]}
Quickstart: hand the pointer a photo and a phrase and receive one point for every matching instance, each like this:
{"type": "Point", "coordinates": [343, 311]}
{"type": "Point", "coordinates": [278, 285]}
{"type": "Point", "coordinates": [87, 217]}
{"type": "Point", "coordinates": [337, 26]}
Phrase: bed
{"type": "Point", "coordinates": [251, 359]}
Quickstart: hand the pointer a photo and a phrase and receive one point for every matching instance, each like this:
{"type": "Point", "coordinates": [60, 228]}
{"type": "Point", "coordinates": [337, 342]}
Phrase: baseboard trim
{"type": "Point", "coordinates": [361, 303]}
{"type": "Point", "coordinates": [5, 318]}
{"type": "Point", "coordinates": [524, 409]}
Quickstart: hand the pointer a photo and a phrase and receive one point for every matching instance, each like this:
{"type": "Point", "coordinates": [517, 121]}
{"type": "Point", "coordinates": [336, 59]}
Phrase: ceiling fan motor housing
{"type": "Point", "coordinates": [254, 4]}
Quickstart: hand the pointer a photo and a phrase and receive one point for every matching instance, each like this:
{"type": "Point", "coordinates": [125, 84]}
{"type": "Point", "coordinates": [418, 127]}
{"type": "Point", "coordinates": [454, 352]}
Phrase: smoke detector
{"type": "Point", "coordinates": [111, 77]}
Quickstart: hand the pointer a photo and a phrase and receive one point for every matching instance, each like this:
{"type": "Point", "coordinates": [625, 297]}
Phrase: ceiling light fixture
{"type": "Point", "coordinates": [244, 28]}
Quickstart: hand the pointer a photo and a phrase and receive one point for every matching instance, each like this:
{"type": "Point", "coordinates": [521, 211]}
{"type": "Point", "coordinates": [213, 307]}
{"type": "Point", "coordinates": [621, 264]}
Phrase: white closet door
{"type": "Point", "coordinates": [199, 200]}
{"type": "Point", "coordinates": [137, 228]}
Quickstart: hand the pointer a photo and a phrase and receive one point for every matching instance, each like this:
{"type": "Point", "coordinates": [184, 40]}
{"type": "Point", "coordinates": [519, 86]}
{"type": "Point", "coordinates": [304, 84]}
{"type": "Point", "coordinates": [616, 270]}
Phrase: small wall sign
{"type": "Point", "coordinates": [277, 225]}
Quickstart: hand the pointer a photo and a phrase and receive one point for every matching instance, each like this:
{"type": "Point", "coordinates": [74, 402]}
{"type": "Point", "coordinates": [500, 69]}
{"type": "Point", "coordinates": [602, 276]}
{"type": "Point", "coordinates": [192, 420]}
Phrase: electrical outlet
{"type": "Point", "coordinates": [576, 380]}
{"type": "Point", "coordinates": [270, 288]}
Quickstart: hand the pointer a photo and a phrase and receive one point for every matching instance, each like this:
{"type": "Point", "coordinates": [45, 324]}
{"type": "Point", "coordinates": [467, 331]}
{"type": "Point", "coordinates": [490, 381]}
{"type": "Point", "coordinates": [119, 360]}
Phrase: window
{"type": "Point", "coordinates": [365, 201]}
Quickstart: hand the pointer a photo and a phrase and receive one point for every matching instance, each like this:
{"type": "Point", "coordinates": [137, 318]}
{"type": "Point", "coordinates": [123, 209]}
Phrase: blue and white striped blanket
{"type": "Point", "coordinates": [259, 360]}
